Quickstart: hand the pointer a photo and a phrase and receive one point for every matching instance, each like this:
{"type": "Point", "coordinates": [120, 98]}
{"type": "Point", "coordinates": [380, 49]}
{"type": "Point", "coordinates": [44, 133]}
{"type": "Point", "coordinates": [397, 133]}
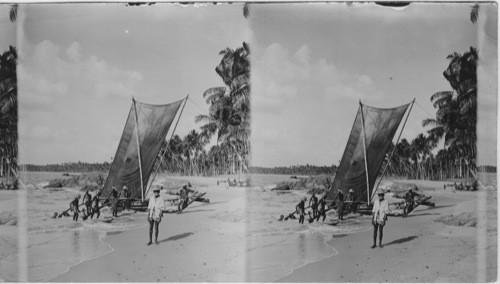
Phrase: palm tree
{"type": "Point", "coordinates": [229, 111]}
{"type": "Point", "coordinates": [8, 112]}
{"type": "Point", "coordinates": [456, 114]}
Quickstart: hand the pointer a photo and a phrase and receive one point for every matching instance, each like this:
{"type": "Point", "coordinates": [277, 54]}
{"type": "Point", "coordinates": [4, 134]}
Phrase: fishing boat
{"type": "Point", "coordinates": [140, 150]}
{"type": "Point", "coordinates": [367, 148]}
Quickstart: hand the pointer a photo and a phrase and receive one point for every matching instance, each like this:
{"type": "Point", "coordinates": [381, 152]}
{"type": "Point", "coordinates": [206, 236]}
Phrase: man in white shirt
{"type": "Point", "coordinates": [155, 212]}
{"type": "Point", "coordinates": [380, 210]}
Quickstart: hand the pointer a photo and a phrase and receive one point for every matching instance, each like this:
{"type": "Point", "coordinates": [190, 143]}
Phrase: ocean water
{"type": "Point", "coordinates": [56, 244]}
{"type": "Point", "coordinates": [275, 248]}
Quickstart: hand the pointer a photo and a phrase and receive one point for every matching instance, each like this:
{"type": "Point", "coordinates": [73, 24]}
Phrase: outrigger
{"type": "Point", "coordinates": [367, 147]}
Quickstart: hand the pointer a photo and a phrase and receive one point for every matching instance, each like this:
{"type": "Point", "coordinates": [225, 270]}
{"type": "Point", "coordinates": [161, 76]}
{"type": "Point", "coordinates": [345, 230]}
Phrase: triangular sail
{"type": "Point", "coordinates": [152, 124]}
{"type": "Point", "coordinates": [380, 125]}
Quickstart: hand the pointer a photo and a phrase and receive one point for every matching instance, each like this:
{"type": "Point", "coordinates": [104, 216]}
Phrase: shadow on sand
{"type": "Point", "coordinates": [177, 237]}
{"type": "Point", "coordinates": [422, 214]}
{"type": "Point", "coordinates": [402, 240]}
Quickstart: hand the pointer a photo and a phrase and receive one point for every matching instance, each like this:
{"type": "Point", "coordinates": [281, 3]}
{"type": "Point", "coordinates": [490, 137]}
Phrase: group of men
{"type": "Point", "coordinates": [318, 206]}
{"type": "Point", "coordinates": [93, 204]}
{"type": "Point", "coordinates": [380, 209]}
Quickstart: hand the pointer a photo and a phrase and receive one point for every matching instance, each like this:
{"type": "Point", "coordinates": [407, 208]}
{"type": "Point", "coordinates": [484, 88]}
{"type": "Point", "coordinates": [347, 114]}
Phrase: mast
{"type": "Point", "coordinates": [138, 149]}
{"type": "Point", "coordinates": [393, 149]}
{"type": "Point", "coordinates": [364, 152]}
{"type": "Point", "coordinates": [163, 149]}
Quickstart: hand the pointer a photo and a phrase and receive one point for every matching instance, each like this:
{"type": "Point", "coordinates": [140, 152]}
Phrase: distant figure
{"type": "Point", "coordinates": [87, 200]}
{"type": "Point", "coordinates": [409, 201]}
{"type": "Point", "coordinates": [300, 209]}
{"type": "Point", "coordinates": [184, 198]}
{"type": "Point", "coordinates": [95, 203]}
{"type": "Point", "coordinates": [352, 197]}
{"type": "Point", "coordinates": [114, 201]}
{"type": "Point", "coordinates": [217, 182]}
{"type": "Point", "coordinates": [126, 194]}
{"type": "Point", "coordinates": [380, 210]}
{"type": "Point", "coordinates": [155, 208]}
{"type": "Point", "coordinates": [321, 208]}
{"type": "Point", "coordinates": [74, 207]}
{"type": "Point", "coordinates": [313, 203]}
{"type": "Point", "coordinates": [340, 207]}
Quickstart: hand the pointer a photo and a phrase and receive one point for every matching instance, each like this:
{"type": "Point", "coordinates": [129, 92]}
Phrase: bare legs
{"type": "Point", "coordinates": [380, 228]}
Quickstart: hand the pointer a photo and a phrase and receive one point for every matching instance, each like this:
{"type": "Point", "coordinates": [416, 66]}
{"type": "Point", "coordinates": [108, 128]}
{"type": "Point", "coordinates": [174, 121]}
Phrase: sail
{"type": "Point", "coordinates": [152, 124]}
{"type": "Point", "coordinates": [380, 125]}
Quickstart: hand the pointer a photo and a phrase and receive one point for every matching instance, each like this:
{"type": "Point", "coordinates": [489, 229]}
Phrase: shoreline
{"type": "Point", "coordinates": [436, 252]}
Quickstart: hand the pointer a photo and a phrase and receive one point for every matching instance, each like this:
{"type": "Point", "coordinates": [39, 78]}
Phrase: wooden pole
{"type": "Point", "coordinates": [162, 152]}
{"type": "Point", "coordinates": [364, 147]}
{"type": "Point", "coordinates": [138, 149]}
{"type": "Point", "coordinates": [397, 141]}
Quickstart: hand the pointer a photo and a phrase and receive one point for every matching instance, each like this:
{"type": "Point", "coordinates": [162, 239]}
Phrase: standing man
{"type": "Point", "coordinates": [300, 209]}
{"type": "Point", "coordinates": [321, 208]}
{"type": "Point", "coordinates": [126, 194]}
{"type": "Point", "coordinates": [352, 197]}
{"type": "Point", "coordinates": [87, 200]}
{"type": "Point", "coordinates": [74, 207]}
{"type": "Point", "coordinates": [95, 203]}
{"type": "Point", "coordinates": [313, 203]}
{"type": "Point", "coordinates": [114, 201]}
{"type": "Point", "coordinates": [340, 207]}
{"type": "Point", "coordinates": [380, 210]}
{"type": "Point", "coordinates": [155, 212]}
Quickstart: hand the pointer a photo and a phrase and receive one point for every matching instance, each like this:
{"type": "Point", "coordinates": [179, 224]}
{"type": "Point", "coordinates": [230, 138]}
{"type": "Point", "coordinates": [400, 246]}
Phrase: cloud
{"type": "Point", "coordinates": [279, 75]}
{"type": "Point", "coordinates": [53, 72]}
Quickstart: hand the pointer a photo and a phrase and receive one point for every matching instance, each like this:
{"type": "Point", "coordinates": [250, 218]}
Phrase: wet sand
{"type": "Point", "coordinates": [8, 236]}
{"type": "Point", "coordinates": [418, 249]}
{"type": "Point", "coordinates": [204, 243]}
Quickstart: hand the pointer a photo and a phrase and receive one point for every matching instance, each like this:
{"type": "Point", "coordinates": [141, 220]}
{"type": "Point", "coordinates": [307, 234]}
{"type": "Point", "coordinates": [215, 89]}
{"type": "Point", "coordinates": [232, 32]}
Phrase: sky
{"type": "Point", "coordinates": [312, 63]}
{"type": "Point", "coordinates": [81, 64]}
{"type": "Point", "coordinates": [7, 29]}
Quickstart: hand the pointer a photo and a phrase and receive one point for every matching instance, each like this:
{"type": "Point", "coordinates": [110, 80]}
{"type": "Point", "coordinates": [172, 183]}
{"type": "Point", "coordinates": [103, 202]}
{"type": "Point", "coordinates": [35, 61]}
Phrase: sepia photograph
{"type": "Point", "coordinates": [134, 126]}
{"type": "Point", "coordinates": [249, 142]}
{"type": "Point", "coordinates": [373, 143]}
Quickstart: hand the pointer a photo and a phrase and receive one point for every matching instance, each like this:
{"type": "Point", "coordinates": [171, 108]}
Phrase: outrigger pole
{"type": "Point", "coordinates": [393, 149]}
{"type": "Point", "coordinates": [364, 148]}
{"type": "Point", "coordinates": [162, 151]}
{"type": "Point", "coordinates": [138, 149]}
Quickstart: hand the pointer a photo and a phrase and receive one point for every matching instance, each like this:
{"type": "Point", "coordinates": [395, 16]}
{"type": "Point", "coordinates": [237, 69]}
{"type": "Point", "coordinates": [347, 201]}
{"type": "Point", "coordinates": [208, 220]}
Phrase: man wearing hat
{"type": "Point", "coordinates": [155, 212]}
{"type": "Point", "coordinates": [126, 194]}
{"type": "Point", "coordinates": [380, 210]}
{"type": "Point", "coordinates": [352, 197]}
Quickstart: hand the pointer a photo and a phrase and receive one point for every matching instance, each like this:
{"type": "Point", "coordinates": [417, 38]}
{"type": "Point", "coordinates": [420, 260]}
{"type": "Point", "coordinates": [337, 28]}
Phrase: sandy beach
{"type": "Point", "coordinates": [417, 248]}
{"type": "Point", "coordinates": [8, 235]}
{"type": "Point", "coordinates": [205, 243]}
{"type": "Point", "coordinates": [237, 237]}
